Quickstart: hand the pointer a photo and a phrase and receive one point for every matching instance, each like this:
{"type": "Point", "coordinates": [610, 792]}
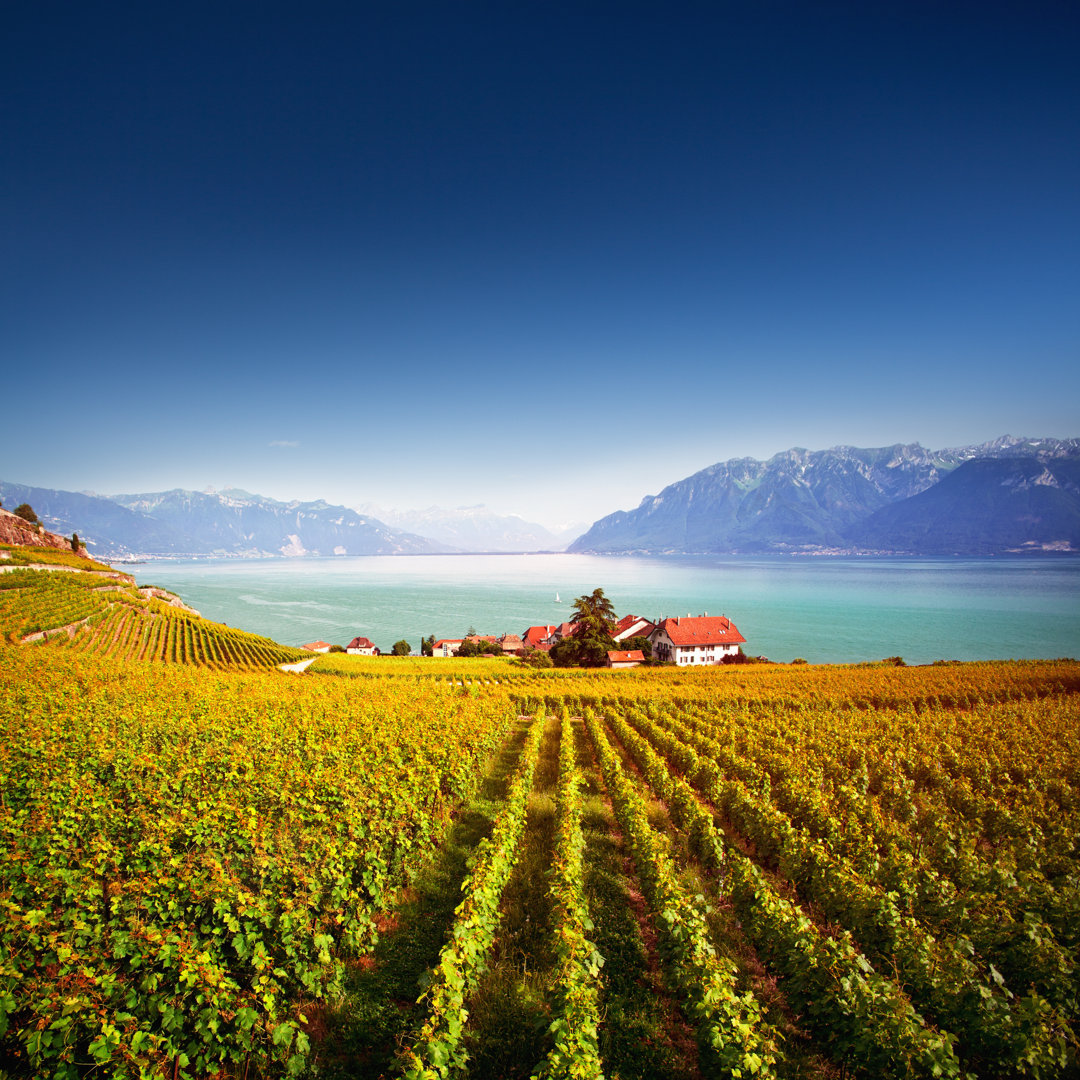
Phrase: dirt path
{"type": "Point", "coordinates": [299, 667]}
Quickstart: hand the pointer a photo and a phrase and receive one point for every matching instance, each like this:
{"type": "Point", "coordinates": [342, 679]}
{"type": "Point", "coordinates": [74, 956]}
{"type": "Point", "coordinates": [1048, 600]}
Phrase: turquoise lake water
{"type": "Point", "coordinates": [825, 609]}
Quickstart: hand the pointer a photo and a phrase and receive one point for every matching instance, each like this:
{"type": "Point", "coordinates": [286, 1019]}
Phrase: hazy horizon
{"type": "Point", "coordinates": [372, 509]}
{"type": "Point", "coordinates": [548, 260]}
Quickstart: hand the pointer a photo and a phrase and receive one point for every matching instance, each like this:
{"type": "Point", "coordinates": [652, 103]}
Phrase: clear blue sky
{"type": "Point", "coordinates": [549, 257]}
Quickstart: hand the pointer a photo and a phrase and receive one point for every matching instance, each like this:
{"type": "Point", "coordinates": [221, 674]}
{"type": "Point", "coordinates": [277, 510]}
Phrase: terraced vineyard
{"type": "Point", "coordinates": [106, 614]}
{"type": "Point", "coordinates": [793, 872]}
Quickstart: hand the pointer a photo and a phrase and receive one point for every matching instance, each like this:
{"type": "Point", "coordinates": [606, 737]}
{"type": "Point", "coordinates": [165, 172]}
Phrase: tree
{"type": "Point", "coordinates": [596, 611]}
{"type": "Point", "coordinates": [642, 643]}
{"type": "Point", "coordinates": [534, 658]}
{"type": "Point", "coordinates": [427, 646]}
{"type": "Point", "coordinates": [76, 543]}
{"type": "Point", "coordinates": [588, 646]}
{"type": "Point", "coordinates": [26, 512]}
{"type": "Point", "coordinates": [478, 647]}
{"type": "Point", "coordinates": [401, 648]}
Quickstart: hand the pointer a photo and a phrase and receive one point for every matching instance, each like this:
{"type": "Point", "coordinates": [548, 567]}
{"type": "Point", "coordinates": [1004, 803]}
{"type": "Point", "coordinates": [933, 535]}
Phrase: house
{"type": "Point", "coordinates": [512, 645]}
{"type": "Point", "coordinates": [632, 626]}
{"type": "Point", "coordinates": [317, 646]}
{"type": "Point", "coordinates": [537, 636]}
{"type": "Point", "coordinates": [362, 646]}
{"type": "Point", "coordinates": [623, 658]}
{"type": "Point", "coordinates": [701, 639]}
{"type": "Point", "coordinates": [563, 630]}
{"type": "Point", "coordinates": [446, 646]}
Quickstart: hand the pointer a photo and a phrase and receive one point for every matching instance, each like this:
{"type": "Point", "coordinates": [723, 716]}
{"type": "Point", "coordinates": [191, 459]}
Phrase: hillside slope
{"type": "Point", "coordinates": [799, 500]}
{"type": "Point", "coordinates": [985, 506]}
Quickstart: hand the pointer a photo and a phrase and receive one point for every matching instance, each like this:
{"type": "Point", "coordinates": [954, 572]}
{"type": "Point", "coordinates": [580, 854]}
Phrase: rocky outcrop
{"type": "Point", "coordinates": [13, 530]}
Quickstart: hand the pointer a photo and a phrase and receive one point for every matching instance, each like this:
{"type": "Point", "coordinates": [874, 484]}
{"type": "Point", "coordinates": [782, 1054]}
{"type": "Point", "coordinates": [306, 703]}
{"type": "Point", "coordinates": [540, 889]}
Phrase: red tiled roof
{"type": "Point", "coordinates": [361, 643]}
{"type": "Point", "coordinates": [701, 630]}
{"type": "Point", "coordinates": [536, 634]}
{"type": "Point", "coordinates": [448, 641]}
{"type": "Point", "coordinates": [638, 623]}
{"type": "Point", "coordinates": [314, 646]}
{"type": "Point", "coordinates": [625, 656]}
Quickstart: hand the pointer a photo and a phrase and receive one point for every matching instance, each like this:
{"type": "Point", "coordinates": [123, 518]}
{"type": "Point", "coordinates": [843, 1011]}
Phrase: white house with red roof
{"type": "Point", "coordinates": [632, 626]}
{"type": "Point", "coordinates": [446, 646]}
{"type": "Point", "coordinates": [699, 639]}
{"type": "Point", "coordinates": [317, 646]}
{"type": "Point", "coordinates": [362, 646]}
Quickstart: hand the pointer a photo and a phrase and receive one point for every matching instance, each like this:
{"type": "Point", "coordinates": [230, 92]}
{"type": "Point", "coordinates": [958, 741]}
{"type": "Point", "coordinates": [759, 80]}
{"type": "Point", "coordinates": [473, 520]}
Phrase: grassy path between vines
{"type": "Point", "coordinates": [379, 1009]}
{"type": "Point", "coordinates": [510, 1012]}
{"type": "Point", "coordinates": [643, 1035]}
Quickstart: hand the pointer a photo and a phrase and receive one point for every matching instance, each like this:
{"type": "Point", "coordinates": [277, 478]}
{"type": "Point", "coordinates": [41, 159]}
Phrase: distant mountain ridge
{"type": "Point", "coordinates": [851, 498]}
{"type": "Point", "coordinates": [230, 522]}
{"type": "Point", "coordinates": [473, 528]}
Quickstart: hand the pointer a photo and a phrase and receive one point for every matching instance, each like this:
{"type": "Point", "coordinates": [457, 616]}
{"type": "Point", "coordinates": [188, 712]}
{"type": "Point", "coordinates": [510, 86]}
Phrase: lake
{"type": "Point", "coordinates": [824, 609]}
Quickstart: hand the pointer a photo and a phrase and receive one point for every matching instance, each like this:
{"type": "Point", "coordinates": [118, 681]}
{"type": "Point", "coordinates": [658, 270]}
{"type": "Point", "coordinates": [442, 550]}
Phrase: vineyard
{"type": "Point", "coordinates": [471, 869]}
{"type": "Point", "coordinates": [106, 614]}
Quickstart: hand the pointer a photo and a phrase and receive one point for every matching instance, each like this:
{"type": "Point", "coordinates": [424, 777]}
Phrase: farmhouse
{"type": "Point", "coordinates": [632, 626]}
{"type": "Point", "coordinates": [702, 639]}
{"type": "Point", "coordinates": [512, 645]}
{"type": "Point", "coordinates": [446, 646]}
{"type": "Point", "coordinates": [317, 646]}
{"type": "Point", "coordinates": [623, 658]}
{"type": "Point", "coordinates": [362, 646]}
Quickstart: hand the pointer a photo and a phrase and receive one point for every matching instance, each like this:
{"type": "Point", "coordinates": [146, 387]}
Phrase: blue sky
{"type": "Point", "coordinates": [546, 257]}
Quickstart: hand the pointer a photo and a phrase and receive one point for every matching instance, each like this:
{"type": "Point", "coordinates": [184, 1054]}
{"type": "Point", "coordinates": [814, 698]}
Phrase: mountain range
{"type": "Point", "coordinates": [1007, 495]}
{"type": "Point", "coordinates": [229, 522]}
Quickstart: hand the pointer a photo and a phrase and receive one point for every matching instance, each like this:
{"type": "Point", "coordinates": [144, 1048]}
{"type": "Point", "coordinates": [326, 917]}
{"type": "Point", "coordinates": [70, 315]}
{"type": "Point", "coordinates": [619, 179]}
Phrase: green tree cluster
{"type": "Point", "coordinates": [479, 647]}
{"type": "Point", "coordinates": [594, 616]}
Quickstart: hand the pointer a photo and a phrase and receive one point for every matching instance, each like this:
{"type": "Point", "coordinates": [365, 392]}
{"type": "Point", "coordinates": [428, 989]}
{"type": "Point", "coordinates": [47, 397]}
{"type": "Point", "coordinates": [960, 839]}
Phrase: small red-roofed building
{"type": "Point", "coordinates": [632, 626]}
{"type": "Point", "coordinates": [362, 646]}
{"type": "Point", "coordinates": [563, 630]}
{"type": "Point", "coordinates": [317, 646]}
{"type": "Point", "coordinates": [537, 636]}
{"type": "Point", "coordinates": [623, 658]}
{"type": "Point", "coordinates": [699, 639]}
{"type": "Point", "coordinates": [446, 646]}
{"type": "Point", "coordinates": [512, 645]}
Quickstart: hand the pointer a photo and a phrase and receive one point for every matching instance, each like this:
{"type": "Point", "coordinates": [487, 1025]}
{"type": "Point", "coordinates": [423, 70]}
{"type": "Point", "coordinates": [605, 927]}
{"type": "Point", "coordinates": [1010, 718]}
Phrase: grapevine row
{"type": "Point", "coordinates": [1000, 1032]}
{"type": "Point", "coordinates": [870, 1022]}
{"type": "Point", "coordinates": [437, 1051]}
{"type": "Point", "coordinates": [575, 1055]}
{"type": "Point", "coordinates": [731, 1031]}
